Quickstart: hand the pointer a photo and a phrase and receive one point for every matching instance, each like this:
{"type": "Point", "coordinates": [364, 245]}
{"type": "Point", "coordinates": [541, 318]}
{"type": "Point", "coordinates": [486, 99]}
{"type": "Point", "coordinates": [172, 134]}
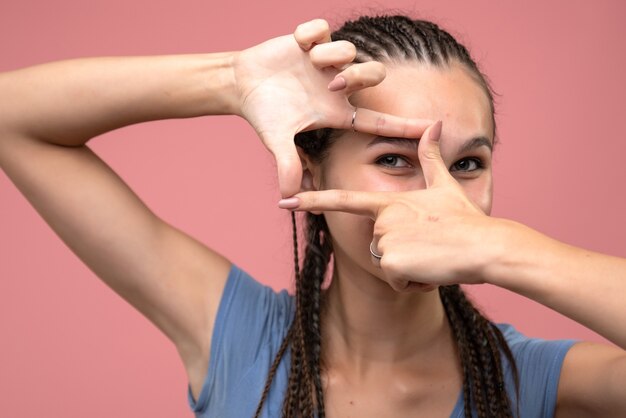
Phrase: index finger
{"type": "Point", "coordinates": [384, 124]}
{"type": "Point", "coordinates": [355, 202]}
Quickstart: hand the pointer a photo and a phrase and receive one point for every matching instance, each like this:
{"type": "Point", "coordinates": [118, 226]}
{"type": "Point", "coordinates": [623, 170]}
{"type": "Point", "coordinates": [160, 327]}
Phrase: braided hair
{"type": "Point", "coordinates": [480, 343]}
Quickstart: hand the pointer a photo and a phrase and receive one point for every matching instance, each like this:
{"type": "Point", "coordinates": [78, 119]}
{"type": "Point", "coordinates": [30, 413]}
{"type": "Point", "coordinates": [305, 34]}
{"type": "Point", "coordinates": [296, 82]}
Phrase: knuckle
{"type": "Point", "coordinates": [397, 208]}
{"type": "Point", "coordinates": [322, 24]}
{"type": "Point", "coordinates": [381, 70]}
{"type": "Point", "coordinates": [355, 71]}
{"type": "Point", "coordinates": [381, 122]}
{"type": "Point", "coordinates": [312, 199]}
{"type": "Point", "coordinates": [382, 243]}
{"type": "Point", "coordinates": [430, 154]}
{"type": "Point", "coordinates": [349, 50]}
{"type": "Point", "coordinates": [380, 228]}
{"type": "Point", "coordinates": [404, 129]}
{"type": "Point", "coordinates": [387, 263]}
{"type": "Point", "coordinates": [343, 196]}
{"type": "Point", "coordinates": [315, 54]}
{"type": "Point", "coordinates": [377, 70]}
{"type": "Point", "coordinates": [301, 31]}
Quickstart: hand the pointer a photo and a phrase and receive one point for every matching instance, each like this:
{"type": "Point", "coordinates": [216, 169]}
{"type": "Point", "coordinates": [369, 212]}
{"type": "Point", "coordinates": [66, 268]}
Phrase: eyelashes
{"type": "Point", "coordinates": [465, 165]}
{"type": "Point", "coordinates": [390, 161]}
{"type": "Point", "coordinates": [477, 162]}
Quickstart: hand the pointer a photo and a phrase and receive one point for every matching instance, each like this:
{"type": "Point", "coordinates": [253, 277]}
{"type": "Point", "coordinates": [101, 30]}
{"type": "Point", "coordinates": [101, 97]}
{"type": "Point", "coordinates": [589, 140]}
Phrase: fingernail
{"type": "Point", "coordinates": [290, 203]}
{"type": "Point", "coordinates": [338, 83]}
{"type": "Point", "coordinates": [435, 133]}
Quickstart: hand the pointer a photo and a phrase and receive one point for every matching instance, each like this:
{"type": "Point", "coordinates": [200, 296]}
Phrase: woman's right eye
{"type": "Point", "coordinates": [393, 161]}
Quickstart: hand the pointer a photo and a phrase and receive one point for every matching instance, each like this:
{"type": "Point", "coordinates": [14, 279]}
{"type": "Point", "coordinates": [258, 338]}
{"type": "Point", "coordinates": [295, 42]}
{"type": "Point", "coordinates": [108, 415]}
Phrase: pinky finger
{"type": "Point", "coordinates": [316, 31]}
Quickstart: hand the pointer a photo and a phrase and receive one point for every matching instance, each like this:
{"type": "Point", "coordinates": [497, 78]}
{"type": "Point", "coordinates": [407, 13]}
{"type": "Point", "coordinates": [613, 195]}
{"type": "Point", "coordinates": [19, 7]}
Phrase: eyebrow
{"type": "Point", "coordinates": [411, 144]}
{"type": "Point", "coordinates": [401, 142]}
{"type": "Point", "coordinates": [474, 143]}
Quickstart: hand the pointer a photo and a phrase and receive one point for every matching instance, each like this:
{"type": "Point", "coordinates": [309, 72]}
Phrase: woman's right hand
{"type": "Point", "coordinates": [301, 82]}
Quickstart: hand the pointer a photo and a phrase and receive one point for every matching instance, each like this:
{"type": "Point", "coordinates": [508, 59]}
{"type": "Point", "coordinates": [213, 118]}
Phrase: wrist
{"type": "Point", "coordinates": [517, 257]}
{"type": "Point", "coordinates": [528, 262]}
{"type": "Point", "coordinates": [219, 87]}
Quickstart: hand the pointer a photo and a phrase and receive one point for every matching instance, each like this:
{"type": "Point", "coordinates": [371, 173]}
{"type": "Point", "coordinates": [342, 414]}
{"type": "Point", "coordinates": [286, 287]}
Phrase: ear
{"type": "Point", "coordinates": [310, 175]}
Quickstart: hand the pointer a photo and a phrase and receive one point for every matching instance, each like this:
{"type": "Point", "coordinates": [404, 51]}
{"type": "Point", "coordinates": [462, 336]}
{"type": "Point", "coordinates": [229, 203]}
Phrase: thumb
{"type": "Point", "coordinates": [288, 165]}
{"type": "Point", "coordinates": [429, 153]}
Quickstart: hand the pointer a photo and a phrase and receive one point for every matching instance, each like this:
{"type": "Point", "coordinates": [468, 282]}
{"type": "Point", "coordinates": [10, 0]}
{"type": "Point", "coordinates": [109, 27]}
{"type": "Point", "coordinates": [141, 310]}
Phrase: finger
{"type": "Point", "coordinates": [333, 54]}
{"type": "Point", "coordinates": [315, 31]}
{"type": "Point", "coordinates": [384, 124]}
{"type": "Point", "coordinates": [288, 165]}
{"type": "Point", "coordinates": [355, 202]}
{"type": "Point", "coordinates": [359, 76]}
{"type": "Point", "coordinates": [429, 154]}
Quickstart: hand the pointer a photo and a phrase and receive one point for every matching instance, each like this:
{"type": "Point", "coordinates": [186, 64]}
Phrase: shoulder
{"type": "Point", "coordinates": [539, 364]}
{"type": "Point", "coordinates": [247, 298]}
{"type": "Point", "coordinates": [526, 348]}
{"type": "Point", "coordinates": [251, 316]}
{"type": "Point", "coordinates": [533, 355]}
{"type": "Point", "coordinates": [251, 323]}
{"type": "Point", "coordinates": [592, 382]}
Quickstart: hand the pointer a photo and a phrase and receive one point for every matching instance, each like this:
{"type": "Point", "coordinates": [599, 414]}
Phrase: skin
{"type": "Point", "coordinates": [431, 226]}
{"type": "Point", "coordinates": [379, 341]}
{"type": "Point", "coordinates": [172, 279]}
{"type": "Point", "coordinates": [442, 234]}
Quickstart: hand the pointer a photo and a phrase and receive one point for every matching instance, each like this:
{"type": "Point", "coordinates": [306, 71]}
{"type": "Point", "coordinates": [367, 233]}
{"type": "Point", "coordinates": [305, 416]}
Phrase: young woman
{"type": "Point", "coordinates": [395, 132]}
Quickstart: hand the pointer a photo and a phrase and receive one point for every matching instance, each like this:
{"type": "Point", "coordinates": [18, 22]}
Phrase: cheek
{"type": "Point", "coordinates": [349, 228]}
{"type": "Point", "coordinates": [364, 177]}
{"type": "Point", "coordinates": [352, 235]}
{"type": "Point", "coordinates": [481, 193]}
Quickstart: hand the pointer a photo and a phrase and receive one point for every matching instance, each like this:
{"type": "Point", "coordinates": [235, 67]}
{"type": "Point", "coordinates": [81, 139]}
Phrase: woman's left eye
{"type": "Point", "coordinates": [393, 161]}
{"type": "Point", "coordinates": [466, 163]}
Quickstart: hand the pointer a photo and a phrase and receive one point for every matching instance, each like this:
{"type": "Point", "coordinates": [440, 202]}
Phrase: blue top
{"type": "Point", "coordinates": [253, 319]}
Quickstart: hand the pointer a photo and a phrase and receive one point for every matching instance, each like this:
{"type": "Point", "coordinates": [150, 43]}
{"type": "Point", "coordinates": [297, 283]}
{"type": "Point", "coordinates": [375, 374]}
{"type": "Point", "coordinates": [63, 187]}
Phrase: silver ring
{"type": "Point", "coordinates": [376, 256]}
{"type": "Point", "coordinates": [353, 118]}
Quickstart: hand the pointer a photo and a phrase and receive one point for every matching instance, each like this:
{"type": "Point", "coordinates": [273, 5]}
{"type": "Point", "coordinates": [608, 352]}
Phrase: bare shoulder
{"type": "Point", "coordinates": [592, 382]}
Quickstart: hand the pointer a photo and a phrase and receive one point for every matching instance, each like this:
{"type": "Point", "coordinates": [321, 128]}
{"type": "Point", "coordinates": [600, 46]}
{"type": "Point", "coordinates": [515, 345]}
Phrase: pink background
{"type": "Point", "coordinates": [72, 348]}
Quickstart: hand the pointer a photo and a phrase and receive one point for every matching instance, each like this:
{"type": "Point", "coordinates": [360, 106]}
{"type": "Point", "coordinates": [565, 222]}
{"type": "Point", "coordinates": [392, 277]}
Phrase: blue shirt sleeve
{"type": "Point", "coordinates": [539, 364]}
{"type": "Point", "coordinates": [251, 323]}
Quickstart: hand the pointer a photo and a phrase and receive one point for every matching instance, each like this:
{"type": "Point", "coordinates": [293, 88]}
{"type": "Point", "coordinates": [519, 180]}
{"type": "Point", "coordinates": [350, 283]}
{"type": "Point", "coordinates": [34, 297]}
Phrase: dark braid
{"type": "Point", "coordinates": [315, 265]}
{"type": "Point", "coordinates": [429, 43]}
{"type": "Point", "coordinates": [460, 335]}
{"type": "Point", "coordinates": [304, 389]}
{"type": "Point", "coordinates": [479, 342]}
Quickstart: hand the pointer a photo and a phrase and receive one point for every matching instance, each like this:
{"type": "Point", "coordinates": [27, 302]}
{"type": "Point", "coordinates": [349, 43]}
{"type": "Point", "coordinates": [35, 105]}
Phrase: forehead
{"type": "Point", "coordinates": [420, 90]}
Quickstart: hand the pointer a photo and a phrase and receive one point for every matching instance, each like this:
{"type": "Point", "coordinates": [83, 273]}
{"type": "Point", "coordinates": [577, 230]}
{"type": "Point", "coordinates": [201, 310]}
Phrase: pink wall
{"type": "Point", "coordinates": [71, 348]}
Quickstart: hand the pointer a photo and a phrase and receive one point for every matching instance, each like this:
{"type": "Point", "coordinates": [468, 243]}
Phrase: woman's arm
{"type": "Point", "coordinates": [589, 288]}
{"type": "Point", "coordinates": [586, 286]}
{"type": "Point", "coordinates": [69, 102]}
{"type": "Point", "coordinates": [438, 236]}
{"type": "Point", "coordinates": [49, 112]}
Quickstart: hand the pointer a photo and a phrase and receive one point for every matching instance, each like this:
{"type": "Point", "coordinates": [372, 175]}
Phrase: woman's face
{"type": "Point", "coordinates": [359, 161]}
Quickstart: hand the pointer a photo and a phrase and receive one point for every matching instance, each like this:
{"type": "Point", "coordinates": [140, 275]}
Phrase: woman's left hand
{"type": "Point", "coordinates": [428, 237]}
